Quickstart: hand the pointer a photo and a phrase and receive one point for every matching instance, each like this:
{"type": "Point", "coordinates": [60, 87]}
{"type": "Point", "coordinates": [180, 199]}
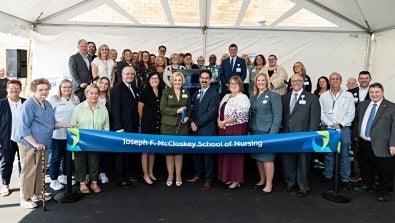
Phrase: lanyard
{"type": "Point", "coordinates": [334, 100]}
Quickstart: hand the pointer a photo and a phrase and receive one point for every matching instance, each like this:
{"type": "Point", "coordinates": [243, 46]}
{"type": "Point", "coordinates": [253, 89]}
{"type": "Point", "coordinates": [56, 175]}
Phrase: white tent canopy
{"type": "Point", "coordinates": [326, 35]}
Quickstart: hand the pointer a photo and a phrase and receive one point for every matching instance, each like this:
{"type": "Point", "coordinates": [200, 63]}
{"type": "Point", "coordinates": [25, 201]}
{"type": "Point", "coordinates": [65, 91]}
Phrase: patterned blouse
{"type": "Point", "coordinates": [238, 107]}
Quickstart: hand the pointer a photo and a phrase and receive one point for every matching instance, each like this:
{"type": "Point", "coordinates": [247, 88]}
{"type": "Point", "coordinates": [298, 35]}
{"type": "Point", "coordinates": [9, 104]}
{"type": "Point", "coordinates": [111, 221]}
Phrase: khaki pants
{"type": "Point", "coordinates": [31, 174]}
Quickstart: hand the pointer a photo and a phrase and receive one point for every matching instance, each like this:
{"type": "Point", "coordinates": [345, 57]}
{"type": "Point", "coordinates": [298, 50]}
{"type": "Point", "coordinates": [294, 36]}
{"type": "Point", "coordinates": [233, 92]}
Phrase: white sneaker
{"type": "Point", "coordinates": [55, 185]}
{"type": "Point", "coordinates": [103, 177]}
{"type": "Point", "coordinates": [28, 204]}
{"type": "Point", "coordinates": [63, 180]}
{"type": "Point", "coordinates": [37, 198]}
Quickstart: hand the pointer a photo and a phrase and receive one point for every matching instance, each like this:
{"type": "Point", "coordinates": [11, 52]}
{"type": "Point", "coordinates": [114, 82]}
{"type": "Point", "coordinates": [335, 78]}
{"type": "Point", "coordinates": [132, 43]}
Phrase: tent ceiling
{"type": "Point", "coordinates": [327, 15]}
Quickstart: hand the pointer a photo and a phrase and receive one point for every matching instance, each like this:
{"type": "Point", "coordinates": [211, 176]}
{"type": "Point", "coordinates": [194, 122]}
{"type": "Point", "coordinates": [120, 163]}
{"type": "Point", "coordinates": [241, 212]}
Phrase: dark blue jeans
{"type": "Point", "coordinates": [7, 157]}
{"type": "Point", "coordinates": [58, 152]}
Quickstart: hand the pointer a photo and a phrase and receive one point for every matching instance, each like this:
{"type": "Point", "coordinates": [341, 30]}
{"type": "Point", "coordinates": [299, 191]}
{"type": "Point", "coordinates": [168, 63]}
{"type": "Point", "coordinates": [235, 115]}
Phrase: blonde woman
{"type": "Point", "coordinates": [63, 104]}
{"type": "Point", "coordinates": [172, 104]}
{"type": "Point", "coordinates": [103, 65]}
{"type": "Point", "coordinates": [89, 115]}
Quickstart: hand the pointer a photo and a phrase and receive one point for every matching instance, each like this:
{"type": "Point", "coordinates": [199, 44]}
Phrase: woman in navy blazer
{"type": "Point", "coordinates": [265, 114]}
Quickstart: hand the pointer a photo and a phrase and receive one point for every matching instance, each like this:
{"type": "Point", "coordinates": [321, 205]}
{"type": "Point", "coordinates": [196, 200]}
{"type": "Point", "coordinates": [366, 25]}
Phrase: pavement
{"type": "Point", "coordinates": [160, 203]}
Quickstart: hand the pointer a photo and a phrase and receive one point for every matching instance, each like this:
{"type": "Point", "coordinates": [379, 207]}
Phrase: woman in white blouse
{"type": "Point", "coordinates": [102, 65]}
{"type": "Point", "coordinates": [63, 104]}
{"type": "Point", "coordinates": [233, 120]}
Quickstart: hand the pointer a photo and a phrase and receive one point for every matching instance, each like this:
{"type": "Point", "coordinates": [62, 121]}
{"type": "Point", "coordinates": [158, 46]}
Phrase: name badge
{"type": "Point", "coordinates": [355, 100]}
{"type": "Point", "coordinates": [184, 96]}
{"type": "Point", "coordinates": [264, 101]}
{"type": "Point", "coordinates": [306, 83]}
{"type": "Point", "coordinates": [302, 102]}
{"type": "Point", "coordinates": [330, 112]}
{"type": "Point", "coordinates": [238, 69]}
{"type": "Point", "coordinates": [170, 96]}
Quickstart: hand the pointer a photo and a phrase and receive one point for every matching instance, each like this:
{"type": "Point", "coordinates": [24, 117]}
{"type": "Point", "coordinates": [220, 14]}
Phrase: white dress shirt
{"type": "Point", "coordinates": [362, 93]}
{"type": "Point", "coordinates": [366, 117]}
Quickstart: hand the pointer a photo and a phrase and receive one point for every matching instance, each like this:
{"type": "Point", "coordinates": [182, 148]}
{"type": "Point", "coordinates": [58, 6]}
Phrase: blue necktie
{"type": "Point", "coordinates": [370, 120]}
{"type": "Point", "coordinates": [231, 62]}
{"type": "Point", "coordinates": [201, 95]}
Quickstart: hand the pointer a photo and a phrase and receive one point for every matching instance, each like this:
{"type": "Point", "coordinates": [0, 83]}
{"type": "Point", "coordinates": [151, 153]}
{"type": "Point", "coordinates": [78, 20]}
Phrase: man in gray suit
{"type": "Point", "coordinates": [375, 133]}
{"type": "Point", "coordinates": [301, 113]}
{"type": "Point", "coordinates": [204, 123]}
{"type": "Point", "coordinates": [80, 68]}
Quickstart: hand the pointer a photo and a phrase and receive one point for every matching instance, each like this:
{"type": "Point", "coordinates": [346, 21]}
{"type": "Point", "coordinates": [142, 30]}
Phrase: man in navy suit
{"type": "Point", "coordinates": [360, 94]}
{"type": "Point", "coordinates": [125, 118]}
{"type": "Point", "coordinates": [80, 69]}
{"type": "Point", "coordinates": [375, 132]}
{"type": "Point", "coordinates": [10, 108]}
{"type": "Point", "coordinates": [301, 113]}
{"type": "Point", "coordinates": [231, 66]}
{"type": "Point", "coordinates": [204, 116]}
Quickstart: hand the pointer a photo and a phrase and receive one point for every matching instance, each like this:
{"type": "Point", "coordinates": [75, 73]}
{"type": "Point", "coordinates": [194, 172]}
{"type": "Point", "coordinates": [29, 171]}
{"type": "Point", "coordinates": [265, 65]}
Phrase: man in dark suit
{"type": "Point", "coordinates": [360, 94]}
{"type": "Point", "coordinates": [375, 132]}
{"type": "Point", "coordinates": [9, 117]}
{"type": "Point", "coordinates": [301, 113]}
{"type": "Point", "coordinates": [204, 123]}
{"type": "Point", "coordinates": [124, 119]}
{"type": "Point", "coordinates": [80, 69]}
{"type": "Point", "coordinates": [231, 66]}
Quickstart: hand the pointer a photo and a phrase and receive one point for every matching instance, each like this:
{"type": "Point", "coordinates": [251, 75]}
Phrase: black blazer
{"type": "Point", "coordinates": [355, 94]}
{"type": "Point", "coordinates": [124, 108]}
{"type": "Point", "coordinates": [6, 123]}
{"type": "Point", "coordinates": [305, 116]}
{"type": "Point", "coordinates": [205, 112]}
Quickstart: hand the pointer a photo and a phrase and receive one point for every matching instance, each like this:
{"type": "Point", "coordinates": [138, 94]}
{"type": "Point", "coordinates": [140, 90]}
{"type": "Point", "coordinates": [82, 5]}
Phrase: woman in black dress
{"type": "Point", "coordinates": [149, 112]}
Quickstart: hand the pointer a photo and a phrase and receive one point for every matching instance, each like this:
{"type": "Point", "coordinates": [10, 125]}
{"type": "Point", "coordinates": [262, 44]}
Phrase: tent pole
{"type": "Point", "coordinates": [368, 50]}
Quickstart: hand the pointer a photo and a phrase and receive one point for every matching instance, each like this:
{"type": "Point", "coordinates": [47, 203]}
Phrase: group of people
{"type": "Point", "coordinates": [142, 99]}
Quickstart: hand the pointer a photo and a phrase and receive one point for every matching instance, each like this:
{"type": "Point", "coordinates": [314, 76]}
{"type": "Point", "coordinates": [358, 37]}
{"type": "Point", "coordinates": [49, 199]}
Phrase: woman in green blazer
{"type": "Point", "coordinates": [172, 104]}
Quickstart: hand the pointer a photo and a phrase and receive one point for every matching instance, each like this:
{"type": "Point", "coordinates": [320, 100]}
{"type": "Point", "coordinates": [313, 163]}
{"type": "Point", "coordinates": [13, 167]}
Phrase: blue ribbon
{"type": "Point", "coordinates": [105, 141]}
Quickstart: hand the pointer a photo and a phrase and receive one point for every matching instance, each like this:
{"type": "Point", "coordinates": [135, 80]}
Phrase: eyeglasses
{"type": "Point", "coordinates": [234, 84]}
{"type": "Point", "coordinates": [296, 81]}
{"type": "Point", "coordinates": [272, 59]}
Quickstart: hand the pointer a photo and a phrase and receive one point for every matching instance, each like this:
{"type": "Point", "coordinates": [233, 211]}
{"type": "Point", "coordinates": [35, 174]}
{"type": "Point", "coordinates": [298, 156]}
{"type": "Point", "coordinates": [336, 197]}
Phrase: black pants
{"type": "Point", "coordinates": [7, 157]}
{"type": "Point", "coordinates": [369, 163]}
{"type": "Point", "coordinates": [123, 167]}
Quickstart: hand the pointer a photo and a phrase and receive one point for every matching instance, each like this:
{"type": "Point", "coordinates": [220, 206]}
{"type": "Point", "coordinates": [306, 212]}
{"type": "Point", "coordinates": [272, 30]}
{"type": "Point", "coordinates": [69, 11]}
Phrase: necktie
{"type": "Point", "coordinates": [293, 103]}
{"type": "Point", "coordinates": [201, 95]}
{"type": "Point", "coordinates": [370, 120]}
{"type": "Point", "coordinates": [231, 62]}
{"type": "Point", "coordinates": [131, 90]}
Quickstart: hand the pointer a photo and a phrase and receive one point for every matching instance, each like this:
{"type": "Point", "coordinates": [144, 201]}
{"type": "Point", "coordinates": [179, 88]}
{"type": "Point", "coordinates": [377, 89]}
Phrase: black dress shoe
{"type": "Point", "coordinates": [363, 188]}
{"type": "Point", "coordinates": [265, 192]}
{"type": "Point", "coordinates": [133, 180]}
{"type": "Point", "coordinates": [126, 185]}
{"type": "Point", "coordinates": [259, 186]}
{"type": "Point", "coordinates": [383, 198]}
{"type": "Point", "coordinates": [346, 186]}
{"type": "Point", "coordinates": [325, 180]}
